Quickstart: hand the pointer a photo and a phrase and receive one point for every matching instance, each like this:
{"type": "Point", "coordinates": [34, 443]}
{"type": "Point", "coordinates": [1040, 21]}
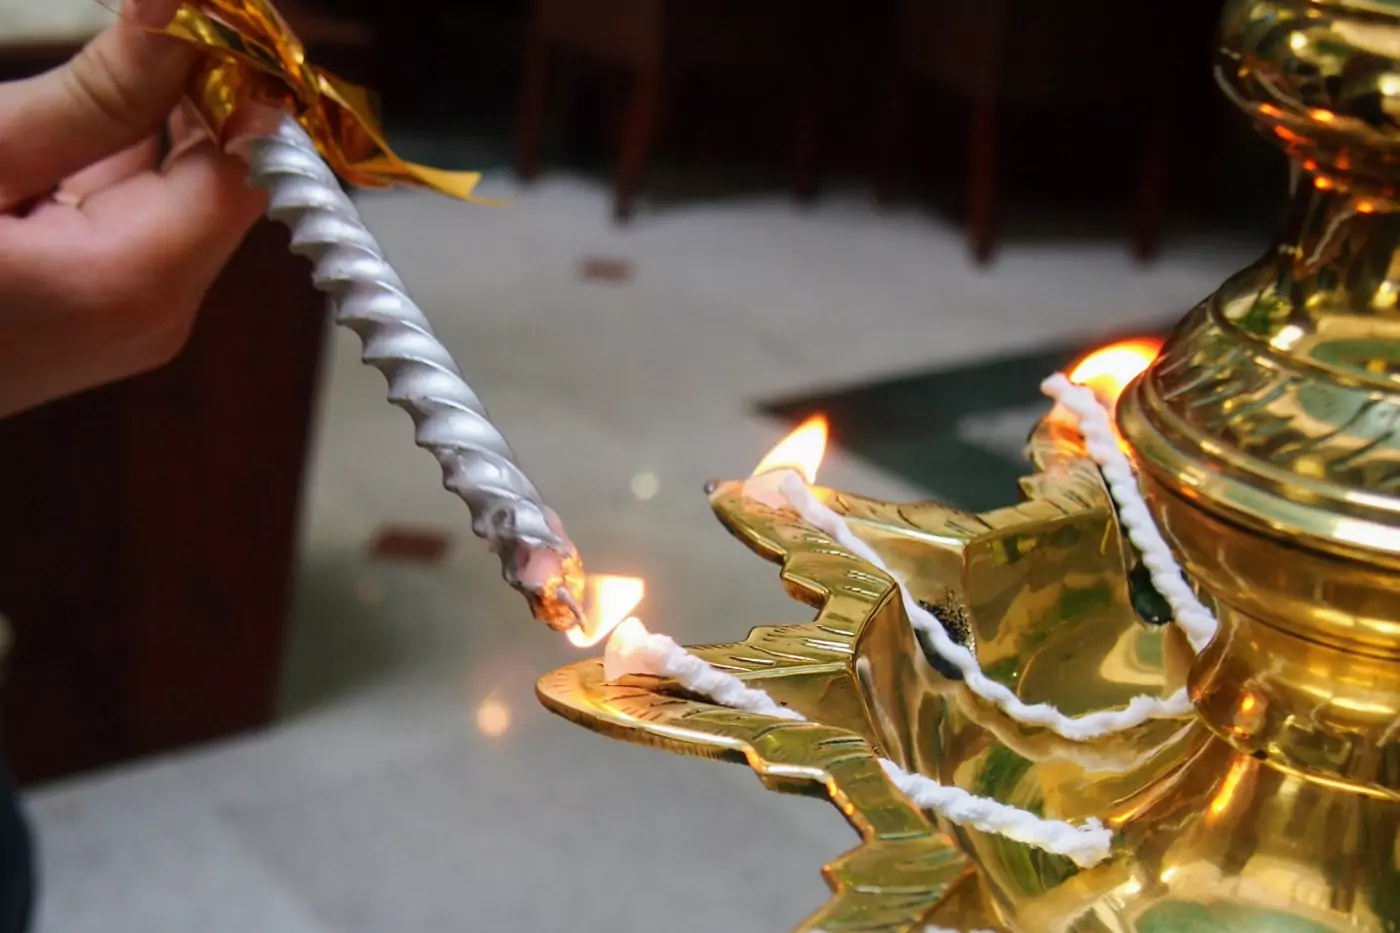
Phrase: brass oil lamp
{"type": "Point", "coordinates": [1266, 438]}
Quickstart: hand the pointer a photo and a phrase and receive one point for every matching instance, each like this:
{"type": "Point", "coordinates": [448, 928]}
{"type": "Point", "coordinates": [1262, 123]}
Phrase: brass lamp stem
{"type": "Point", "coordinates": [1268, 431]}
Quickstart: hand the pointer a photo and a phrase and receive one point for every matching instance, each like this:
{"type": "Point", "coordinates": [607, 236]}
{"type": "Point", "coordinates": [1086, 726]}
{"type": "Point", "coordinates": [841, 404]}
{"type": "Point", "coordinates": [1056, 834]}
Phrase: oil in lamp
{"type": "Point", "coordinates": [1246, 771]}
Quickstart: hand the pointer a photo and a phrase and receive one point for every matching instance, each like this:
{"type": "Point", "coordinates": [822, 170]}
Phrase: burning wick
{"type": "Point", "coordinates": [626, 648]}
{"type": "Point", "coordinates": [783, 481]}
{"type": "Point", "coordinates": [632, 650]}
{"type": "Point", "coordinates": [627, 652]}
{"type": "Point", "coordinates": [1106, 373]}
{"type": "Point", "coordinates": [802, 450]}
{"type": "Point", "coordinates": [607, 600]}
{"type": "Point", "coordinates": [798, 455]}
{"type": "Point", "coordinates": [1109, 370]}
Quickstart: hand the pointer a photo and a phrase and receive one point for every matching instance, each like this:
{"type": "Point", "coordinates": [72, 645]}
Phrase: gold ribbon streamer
{"type": "Point", "coordinates": [254, 57]}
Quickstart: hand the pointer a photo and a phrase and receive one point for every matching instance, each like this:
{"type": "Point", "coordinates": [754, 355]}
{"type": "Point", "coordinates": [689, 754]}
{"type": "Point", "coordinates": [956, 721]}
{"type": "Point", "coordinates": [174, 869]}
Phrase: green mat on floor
{"type": "Point", "coordinates": [956, 433]}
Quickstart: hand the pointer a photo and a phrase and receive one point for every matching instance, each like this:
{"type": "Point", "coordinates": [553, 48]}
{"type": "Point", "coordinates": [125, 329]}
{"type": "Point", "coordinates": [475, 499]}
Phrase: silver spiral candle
{"type": "Point", "coordinates": [368, 297]}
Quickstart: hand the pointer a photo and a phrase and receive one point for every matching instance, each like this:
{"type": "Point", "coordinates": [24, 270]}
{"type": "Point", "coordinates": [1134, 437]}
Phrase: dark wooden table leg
{"type": "Point", "coordinates": [148, 532]}
{"type": "Point", "coordinates": [216, 445]}
{"type": "Point", "coordinates": [806, 170]}
{"type": "Point", "coordinates": [532, 105]}
{"type": "Point", "coordinates": [398, 38]}
{"type": "Point", "coordinates": [1147, 221]}
{"type": "Point", "coordinates": [982, 180]}
{"type": "Point", "coordinates": [637, 135]}
{"type": "Point", "coordinates": [893, 111]}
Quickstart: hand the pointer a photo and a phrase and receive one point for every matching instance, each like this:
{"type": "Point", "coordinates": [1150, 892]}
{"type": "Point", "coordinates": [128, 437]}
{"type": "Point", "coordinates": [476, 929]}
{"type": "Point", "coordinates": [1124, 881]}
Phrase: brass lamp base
{"type": "Point", "coordinates": [1267, 441]}
{"type": "Point", "coordinates": [859, 675]}
{"type": "Point", "coordinates": [1208, 837]}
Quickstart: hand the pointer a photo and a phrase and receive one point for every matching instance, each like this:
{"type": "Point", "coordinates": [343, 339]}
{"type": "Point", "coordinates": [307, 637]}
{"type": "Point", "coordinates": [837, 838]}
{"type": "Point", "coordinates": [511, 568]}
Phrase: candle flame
{"type": "Point", "coordinates": [608, 599]}
{"type": "Point", "coordinates": [802, 450]}
{"type": "Point", "coordinates": [1108, 370]}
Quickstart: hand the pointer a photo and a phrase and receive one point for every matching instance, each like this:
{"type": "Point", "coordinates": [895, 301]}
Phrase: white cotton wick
{"type": "Point", "coordinates": [633, 650]}
{"type": "Point", "coordinates": [1077, 728]}
{"type": "Point", "coordinates": [767, 488]}
{"type": "Point", "coordinates": [1101, 442]}
{"type": "Point", "coordinates": [625, 653]}
{"type": "Point", "coordinates": [1085, 845]}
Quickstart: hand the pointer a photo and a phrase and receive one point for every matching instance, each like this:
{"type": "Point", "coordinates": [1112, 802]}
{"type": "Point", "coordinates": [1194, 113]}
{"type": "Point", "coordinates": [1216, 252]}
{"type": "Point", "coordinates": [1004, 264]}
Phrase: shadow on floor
{"type": "Point", "coordinates": [342, 640]}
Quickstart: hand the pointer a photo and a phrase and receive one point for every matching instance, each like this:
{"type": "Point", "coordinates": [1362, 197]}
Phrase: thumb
{"type": "Point", "coordinates": [118, 90]}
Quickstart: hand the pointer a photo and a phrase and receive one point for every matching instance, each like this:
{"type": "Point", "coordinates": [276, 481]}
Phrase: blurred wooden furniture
{"type": "Point", "coordinates": [994, 52]}
{"type": "Point", "coordinates": [148, 528]}
{"type": "Point", "coordinates": [148, 531]}
{"type": "Point", "coordinates": [657, 42]}
{"type": "Point", "coordinates": [336, 40]}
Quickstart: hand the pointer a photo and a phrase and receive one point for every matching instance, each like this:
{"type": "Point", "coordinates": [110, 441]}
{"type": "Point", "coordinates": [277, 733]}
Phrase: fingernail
{"type": "Point", "coordinates": [248, 122]}
{"type": "Point", "coordinates": [154, 14]}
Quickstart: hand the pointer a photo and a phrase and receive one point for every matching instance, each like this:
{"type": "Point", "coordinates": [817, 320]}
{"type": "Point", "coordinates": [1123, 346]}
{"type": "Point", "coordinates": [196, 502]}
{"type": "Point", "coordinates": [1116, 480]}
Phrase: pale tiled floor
{"type": "Point", "coordinates": [377, 806]}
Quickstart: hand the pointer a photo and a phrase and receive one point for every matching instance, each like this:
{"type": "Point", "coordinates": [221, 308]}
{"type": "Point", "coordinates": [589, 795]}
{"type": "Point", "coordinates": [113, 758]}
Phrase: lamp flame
{"type": "Point", "coordinates": [802, 450]}
{"type": "Point", "coordinates": [607, 600]}
{"type": "Point", "coordinates": [620, 659]}
{"type": "Point", "coordinates": [631, 633]}
{"type": "Point", "coordinates": [1108, 370]}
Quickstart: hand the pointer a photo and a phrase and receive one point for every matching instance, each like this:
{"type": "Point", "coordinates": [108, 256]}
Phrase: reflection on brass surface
{"type": "Point", "coordinates": [1268, 439]}
{"type": "Point", "coordinates": [858, 673]}
{"type": "Point", "coordinates": [905, 867]}
{"type": "Point", "coordinates": [1269, 429]}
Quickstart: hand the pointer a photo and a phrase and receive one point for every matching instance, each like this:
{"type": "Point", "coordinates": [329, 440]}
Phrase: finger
{"type": "Point", "coordinates": [187, 130]}
{"type": "Point", "coordinates": [142, 157]}
{"type": "Point", "coordinates": [115, 92]}
{"type": "Point", "coordinates": [131, 266]}
{"type": "Point", "coordinates": [155, 14]}
{"type": "Point", "coordinates": [249, 122]}
{"type": "Point", "coordinates": [184, 224]}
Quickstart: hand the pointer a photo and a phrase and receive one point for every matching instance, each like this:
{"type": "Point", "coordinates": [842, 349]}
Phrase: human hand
{"type": "Point", "coordinates": [105, 253]}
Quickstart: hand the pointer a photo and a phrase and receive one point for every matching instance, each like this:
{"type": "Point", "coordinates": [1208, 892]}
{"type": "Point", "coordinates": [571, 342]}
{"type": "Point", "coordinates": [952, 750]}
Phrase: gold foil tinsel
{"type": "Point", "coordinates": [254, 57]}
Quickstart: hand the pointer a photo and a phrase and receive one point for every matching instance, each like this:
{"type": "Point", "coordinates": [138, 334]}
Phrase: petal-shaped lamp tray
{"type": "Point", "coordinates": [1028, 585]}
{"type": "Point", "coordinates": [906, 867]}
